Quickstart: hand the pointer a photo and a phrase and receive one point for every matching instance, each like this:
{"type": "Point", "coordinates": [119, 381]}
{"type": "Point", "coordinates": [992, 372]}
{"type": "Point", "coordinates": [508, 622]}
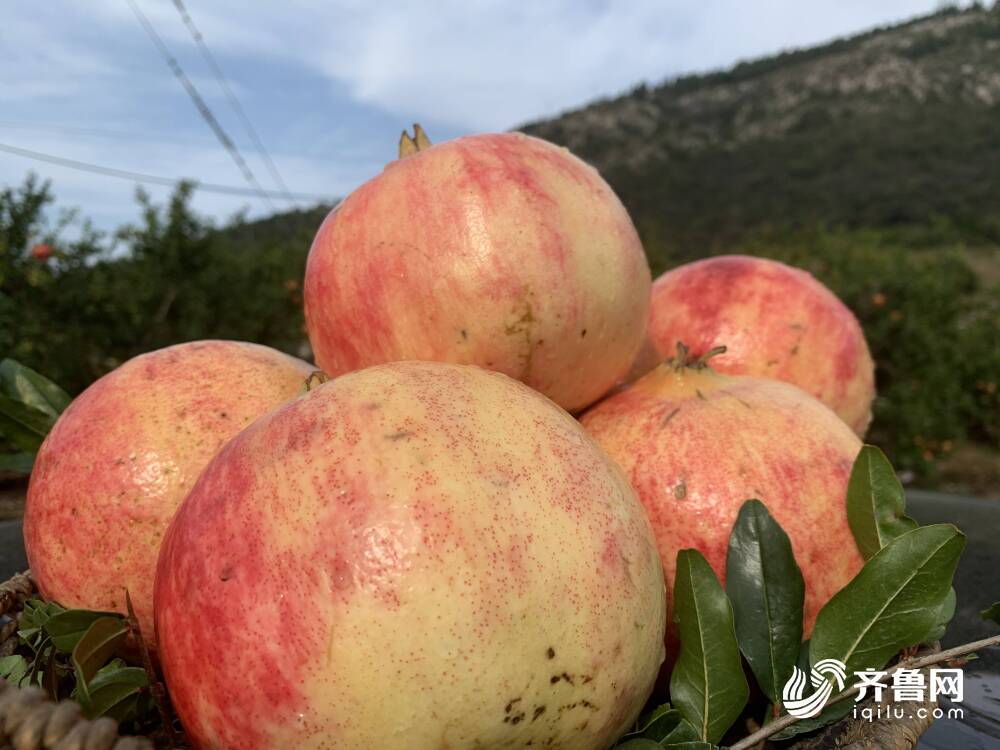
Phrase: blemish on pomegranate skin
{"type": "Point", "coordinates": [666, 420]}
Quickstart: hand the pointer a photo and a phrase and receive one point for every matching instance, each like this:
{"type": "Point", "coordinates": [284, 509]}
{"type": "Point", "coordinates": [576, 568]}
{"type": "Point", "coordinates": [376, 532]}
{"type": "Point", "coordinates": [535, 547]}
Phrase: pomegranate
{"type": "Point", "coordinates": [775, 321]}
{"type": "Point", "coordinates": [696, 444]}
{"type": "Point", "coordinates": [41, 252]}
{"type": "Point", "coordinates": [503, 251]}
{"type": "Point", "coordinates": [432, 531]}
{"type": "Point", "coordinates": [116, 465]}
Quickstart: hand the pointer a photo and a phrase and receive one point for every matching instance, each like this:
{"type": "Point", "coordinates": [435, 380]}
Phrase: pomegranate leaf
{"type": "Point", "coordinates": [29, 387]}
{"type": "Point", "coordinates": [707, 684]}
{"type": "Point", "coordinates": [992, 612]}
{"type": "Point", "coordinates": [67, 627]}
{"type": "Point", "coordinates": [14, 669]}
{"type": "Point", "coordinates": [767, 592]}
{"type": "Point", "coordinates": [828, 715]}
{"type": "Point", "coordinates": [891, 603]}
{"type": "Point", "coordinates": [876, 504]}
{"type": "Point", "coordinates": [117, 691]}
{"type": "Point", "coordinates": [663, 725]}
{"type": "Point", "coordinates": [942, 616]}
{"type": "Point", "coordinates": [26, 417]}
{"type": "Point", "coordinates": [19, 463]}
{"type": "Point", "coordinates": [103, 639]}
{"type": "Point", "coordinates": [21, 426]}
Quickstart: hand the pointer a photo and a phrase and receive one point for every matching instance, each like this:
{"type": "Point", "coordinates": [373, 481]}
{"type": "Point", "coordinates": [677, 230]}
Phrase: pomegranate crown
{"type": "Point", "coordinates": [684, 360]}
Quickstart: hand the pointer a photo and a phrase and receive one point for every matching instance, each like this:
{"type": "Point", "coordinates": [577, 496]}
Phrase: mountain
{"type": "Point", "coordinates": [893, 127]}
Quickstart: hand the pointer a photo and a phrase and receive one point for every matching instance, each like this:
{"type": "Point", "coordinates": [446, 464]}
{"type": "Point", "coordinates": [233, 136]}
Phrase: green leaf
{"type": "Point", "coordinates": [27, 386]}
{"type": "Point", "coordinates": [67, 627]}
{"type": "Point", "coordinates": [891, 603]}
{"type": "Point", "coordinates": [945, 611]}
{"type": "Point", "coordinates": [876, 505]}
{"type": "Point", "coordinates": [992, 612]}
{"type": "Point", "coordinates": [103, 639]}
{"type": "Point", "coordinates": [34, 614]}
{"type": "Point", "coordinates": [707, 684]}
{"type": "Point", "coordinates": [767, 592]}
{"type": "Point", "coordinates": [639, 744]}
{"type": "Point", "coordinates": [20, 437]}
{"type": "Point", "coordinates": [28, 417]}
{"type": "Point", "coordinates": [19, 463]}
{"type": "Point", "coordinates": [115, 690]}
{"type": "Point", "coordinates": [830, 714]}
{"type": "Point", "coordinates": [664, 725]}
{"type": "Point", "coordinates": [13, 669]}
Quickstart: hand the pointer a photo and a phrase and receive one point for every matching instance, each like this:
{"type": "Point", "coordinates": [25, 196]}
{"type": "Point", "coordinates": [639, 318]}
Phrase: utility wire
{"type": "Point", "coordinates": [149, 178]}
{"type": "Point", "coordinates": [199, 102]}
{"type": "Point", "coordinates": [118, 135]}
{"type": "Point", "coordinates": [233, 101]}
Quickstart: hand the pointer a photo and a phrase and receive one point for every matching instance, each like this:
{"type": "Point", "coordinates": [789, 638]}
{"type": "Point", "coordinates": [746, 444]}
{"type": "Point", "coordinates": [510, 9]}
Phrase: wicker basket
{"type": "Point", "coordinates": [29, 720]}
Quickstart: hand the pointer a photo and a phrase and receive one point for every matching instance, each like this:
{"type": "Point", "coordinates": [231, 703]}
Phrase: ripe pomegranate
{"type": "Point", "coordinates": [432, 531]}
{"type": "Point", "coordinates": [503, 251]}
{"type": "Point", "coordinates": [41, 252]}
{"type": "Point", "coordinates": [116, 465]}
{"type": "Point", "coordinates": [775, 321]}
{"type": "Point", "coordinates": [696, 445]}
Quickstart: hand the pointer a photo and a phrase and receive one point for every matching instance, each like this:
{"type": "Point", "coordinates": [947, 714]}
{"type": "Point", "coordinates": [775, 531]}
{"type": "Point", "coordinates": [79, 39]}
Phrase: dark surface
{"type": "Point", "coordinates": [976, 586]}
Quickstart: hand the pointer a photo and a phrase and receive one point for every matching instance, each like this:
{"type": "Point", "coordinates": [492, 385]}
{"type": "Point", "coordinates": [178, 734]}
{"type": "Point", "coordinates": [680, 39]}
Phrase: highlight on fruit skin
{"type": "Point", "coordinates": [121, 458]}
{"type": "Point", "coordinates": [500, 250]}
{"type": "Point", "coordinates": [696, 445]}
{"type": "Point", "coordinates": [775, 322]}
{"type": "Point", "coordinates": [436, 533]}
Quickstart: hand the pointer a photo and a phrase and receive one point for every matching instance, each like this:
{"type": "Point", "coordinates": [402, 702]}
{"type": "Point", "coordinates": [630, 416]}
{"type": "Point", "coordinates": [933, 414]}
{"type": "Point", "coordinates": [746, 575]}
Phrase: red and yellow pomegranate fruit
{"type": "Point", "coordinates": [434, 532]}
{"type": "Point", "coordinates": [696, 445]}
{"type": "Point", "coordinates": [114, 468]}
{"type": "Point", "coordinates": [775, 322]}
{"type": "Point", "coordinates": [503, 251]}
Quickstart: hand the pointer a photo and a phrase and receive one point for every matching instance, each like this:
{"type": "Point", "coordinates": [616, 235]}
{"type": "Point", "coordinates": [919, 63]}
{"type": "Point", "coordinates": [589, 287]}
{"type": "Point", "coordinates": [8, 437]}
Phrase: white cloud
{"type": "Point", "coordinates": [492, 64]}
{"type": "Point", "coordinates": [461, 65]}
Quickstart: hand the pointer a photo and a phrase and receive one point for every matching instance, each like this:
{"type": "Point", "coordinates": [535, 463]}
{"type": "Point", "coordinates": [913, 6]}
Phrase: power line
{"type": "Point", "coordinates": [233, 101]}
{"type": "Point", "coordinates": [113, 133]}
{"type": "Point", "coordinates": [200, 104]}
{"type": "Point", "coordinates": [149, 178]}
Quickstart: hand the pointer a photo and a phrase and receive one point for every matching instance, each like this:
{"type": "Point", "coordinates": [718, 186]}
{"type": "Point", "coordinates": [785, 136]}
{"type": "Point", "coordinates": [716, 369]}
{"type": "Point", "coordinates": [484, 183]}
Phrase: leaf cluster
{"type": "Point", "coordinates": [75, 653]}
{"type": "Point", "coordinates": [900, 598]}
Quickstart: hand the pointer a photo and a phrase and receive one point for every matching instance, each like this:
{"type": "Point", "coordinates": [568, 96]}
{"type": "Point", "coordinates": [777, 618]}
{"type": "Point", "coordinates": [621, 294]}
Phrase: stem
{"type": "Point", "coordinates": [316, 378]}
{"type": "Point", "coordinates": [684, 360]}
{"type": "Point", "coordinates": [916, 663]}
{"type": "Point", "coordinates": [155, 686]}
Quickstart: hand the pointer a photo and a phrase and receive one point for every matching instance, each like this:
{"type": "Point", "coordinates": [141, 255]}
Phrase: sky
{"type": "Point", "coordinates": [328, 86]}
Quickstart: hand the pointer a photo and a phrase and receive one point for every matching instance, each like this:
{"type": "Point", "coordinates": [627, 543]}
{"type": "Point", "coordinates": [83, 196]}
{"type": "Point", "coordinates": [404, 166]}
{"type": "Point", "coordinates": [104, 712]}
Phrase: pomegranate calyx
{"type": "Point", "coordinates": [410, 145]}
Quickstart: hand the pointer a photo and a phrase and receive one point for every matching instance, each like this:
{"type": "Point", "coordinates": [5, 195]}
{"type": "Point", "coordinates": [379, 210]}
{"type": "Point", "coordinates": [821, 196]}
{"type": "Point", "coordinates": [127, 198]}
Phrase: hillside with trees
{"type": "Point", "coordinates": [872, 161]}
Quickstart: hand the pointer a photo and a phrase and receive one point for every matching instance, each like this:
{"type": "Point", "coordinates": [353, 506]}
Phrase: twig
{"type": "Point", "coordinates": [155, 687]}
{"type": "Point", "coordinates": [922, 661]}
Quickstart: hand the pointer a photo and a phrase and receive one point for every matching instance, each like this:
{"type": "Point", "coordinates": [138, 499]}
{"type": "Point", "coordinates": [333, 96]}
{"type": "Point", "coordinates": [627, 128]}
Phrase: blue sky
{"type": "Point", "coordinates": [329, 85]}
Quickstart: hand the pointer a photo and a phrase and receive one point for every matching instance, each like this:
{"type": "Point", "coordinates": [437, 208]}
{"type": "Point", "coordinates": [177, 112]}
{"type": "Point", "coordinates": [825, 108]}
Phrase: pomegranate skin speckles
{"type": "Point", "coordinates": [436, 532]}
{"type": "Point", "coordinates": [775, 322]}
{"type": "Point", "coordinates": [119, 461]}
{"type": "Point", "coordinates": [502, 251]}
{"type": "Point", "coordinates": [696, 445]}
